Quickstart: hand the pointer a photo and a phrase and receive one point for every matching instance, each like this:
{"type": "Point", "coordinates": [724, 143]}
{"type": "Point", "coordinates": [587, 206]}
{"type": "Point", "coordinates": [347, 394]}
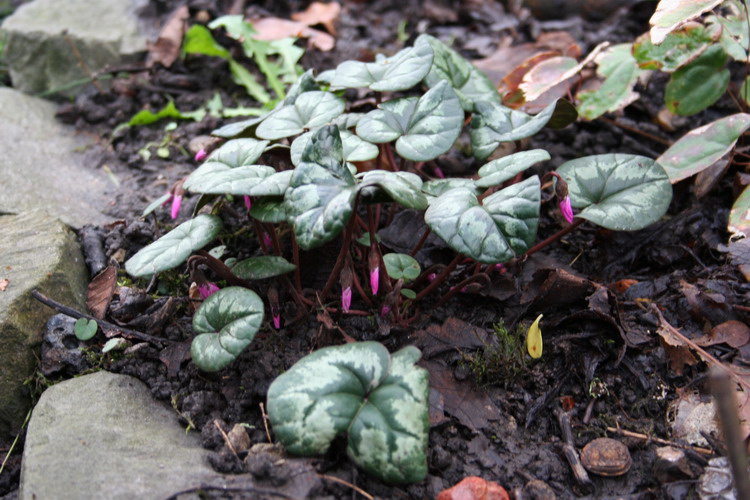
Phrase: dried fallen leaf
{"type": "Point", "coordinates": [275, 28]}
{"type": "Point", "coordinates": [474, 488]}
{"type": "Point", "coordinates": [693, 416]}
{"type": "Point", "coordinates": [733, 333]}
{"type": "Point", "coordinates": [174, 355]}
{"type": "Point", "coordinates": [4, 284]}
{"type": "Point", "coordinates": [166, 49]}
{"type": "Point", "coordinates": [320, 13]}
{"type": "Point", "coordinates": [100, 291]}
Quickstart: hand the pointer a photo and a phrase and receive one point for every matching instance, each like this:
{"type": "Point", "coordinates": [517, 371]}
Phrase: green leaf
{"type": "Point", "coordinates": [401, 72]}
{"type": "Point", "coordinates": [117, 343]}
{"type": "Point", "coordinates": [161, 200]}
{"type": "Point", "coordinates": [617, 191]}
{"type": "Point", "coordinates": [679, 48]}
{"type": "Point", "coordinates": [379, 401]}
{"type": "Point", "coordinates": [218, 178]}
{"type": "Point", "coordinates": [745, 90]}
{"type": "Point", "coordinates": [310, 110]}
{"type": "Point", "coordinates": [273, 185]}
{"type": "Point", "coordinates": [322, 191]}
{"type": "Point", "coordinates": [147, 117]}
{"type": "Point", "coordinates": [198, 40]}
{"type": "Point", "coordinates": [401, 266]}
{"type": "Point", "coordinates": [702, 147]}
{"type": "Point", "coordinates": [498, 171]}
{"type": "Point", "coordinates": [175, 247]}
{"type": "Point", "coordinates": [495, 123]}
{"type": "Point", "coordinates": [238, 128]}
{"type": "Point", "coordinates": [672, 13]}
{"type": "Point", "coordinates": [497, 231]}
{"type": "Point", "coordinates": [739, 219]}
{"type": "Point", "coordinates": [423, 128]}
{"type": "Point", "coordinates": [270, 210]}
{"type": "Point", "coordinates": [238, 152]}
{"type": "Point", "coordinates": [227, 322]}
{"type": "Point", "coordinates": [85, 329]}
{"type": "Point", "coordinates": [470, 83]}
{"type": "Point", "coordinates": [408, 293]}
{"type": "Point", "coordinates": [620, 72]}
{"type": "Point", "coordinates": [698, 85]}
{"type": "Point", "coordinates": [241, 76]}
{"type": "Point", "coordinates": [355, 149]}
{"type": "Point", "coordinates": [259, 268]}
{"type": "Point", "coordinates": [735, 31]}
{"type": "Point", "coordinates": [437, 187]}
{"type": "Point", "coordinates": [404, 188]}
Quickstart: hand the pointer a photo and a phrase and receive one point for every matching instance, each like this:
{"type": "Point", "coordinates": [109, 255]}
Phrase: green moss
{"type": "Point", "coordinates": [502, 359]}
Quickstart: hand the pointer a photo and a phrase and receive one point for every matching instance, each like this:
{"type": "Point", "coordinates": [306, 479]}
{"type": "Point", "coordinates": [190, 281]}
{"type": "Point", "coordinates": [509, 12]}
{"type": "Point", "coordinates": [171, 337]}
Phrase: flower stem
{"type": "Point", "coordinates": [439, 280]}
{"type": "Point", "coordinates": [553, 238]}
{"type": "Point", "coordinates": [342, 256]}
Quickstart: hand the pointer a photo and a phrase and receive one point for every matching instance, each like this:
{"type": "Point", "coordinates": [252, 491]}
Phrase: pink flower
{"type": "Point", "coordinates": [346, 299]}
{"type": "Point", "coordinates": [176, 204]}
{"type": "Point", "coordinates": [431, 277]}
{"type": "Point", "coordinates": [201, 155]}
{"type": "Point", "coordinates": [500, 268]}
{"type": "Point", "coordinates": [385, 310]}
{"type": "Point", "coordinates": [207, 289]}
{"type": "Point", "coordinates": [438, 172]}
{"type": "Point", "coordinates": [375, 280]}
{"type": "Point", "coordinates": [277, 321]}
{"type": "Point", "coordinates": [267, 240]}
{"type": "Point", "coordinates": [566, 209]}
{"type": "Point", "coordinates": [248, 202]}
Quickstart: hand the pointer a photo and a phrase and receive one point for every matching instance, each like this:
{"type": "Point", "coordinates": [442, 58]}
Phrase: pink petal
{"type": "Point", "coordinates": [438, 172]}
{"type": "Point", "coordinates": [277, 321]}
{"type": "Point", "coordinates": [566, 209]}
{"type": "Point", "coordinates": [385, 310]}
{"type": "Point", "coordinates": [346, 299]}
{"type": "Point", "coordinates": [248, 202]}
{"type": "Point", "coordinates": [201, 155]}
{"type": "Point", "coordinates": [267, 240]}
{"type": "Point", "coordinates": [375, 280]}
{"type": "Point", "coordinates": [207, 290]}
{"type": "Point", "coordinates": [431, 277]}
{"type": "Point", "coordinates": [176, 204]}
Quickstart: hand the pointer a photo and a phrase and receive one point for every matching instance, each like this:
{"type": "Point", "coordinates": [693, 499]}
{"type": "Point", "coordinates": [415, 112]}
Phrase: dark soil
{"type": "Point", "coordinates": [493, 412]}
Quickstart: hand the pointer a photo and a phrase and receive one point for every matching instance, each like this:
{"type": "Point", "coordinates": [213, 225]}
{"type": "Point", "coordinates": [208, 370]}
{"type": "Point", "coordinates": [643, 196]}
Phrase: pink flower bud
{"type": "Point", "coordinates": [431, 277]}
{"type": "Point", "coordinates": [248, 202]}
{"type": "Point", "coordinates": [201, 155]}
{"type": "Point", "coordinates": [375, 280]}
{"type": "Point", "coordinates": [267, 240]}
{"type": "Point", "coordinates": [277, 321]}
{"type": "Point", "coordinates": [176, 204]}
{"type": "Point", "coordinates": [385, 310]}
{"type": "Point", "coordinates": [438, 172]}
{"type": "Point", "coordinates": [500, 268]}
{"type": "Point", "coordinates": [208, 289]}
{"type": "Point", "coordinates": [346, 299]}
{"type": "Point", "coordinates": [168, 200]}
{"type": "Point", "coordinates": [566, 209]}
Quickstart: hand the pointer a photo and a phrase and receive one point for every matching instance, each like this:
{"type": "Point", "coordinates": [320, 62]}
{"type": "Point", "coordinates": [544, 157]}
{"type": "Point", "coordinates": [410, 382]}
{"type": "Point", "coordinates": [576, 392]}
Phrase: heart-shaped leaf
{"type": "Point", "coordinates": [238, 152]}
{"type": "Point", "coordinates": [496, 231]}
{"type": "Point", "coordinates": [423, 128]}
{"type": "Point", "coordinates": [698, 85]}
{"type": "Point", "coordinates": [218, 178]}
{"type": "Point", "coordinates": [679, 47]}
{"type": "Point", "coordinates": [175, 247]}
{"type": "Point", "coordinates": [274, 185]}
{"type": "Point", "coordinates": [265, 266]}
{"type": "Point", "coordinates": [672, 13]}
{"type": "Point", "coordinates": [404, 188]}
{"type": "Point", "coordinates": [617, 191]}
{"type": "Point", "coordinates": [85, 329]}
{"type": "Point", "coordinates": [470, 83]}
{"type": "Point", "coordinates": [310, 110]}
{"type": "Point", "coordinates": [700, 148]}
{"type": "Point", "coordinates": [494, 123]}
{"type": "Point", "coordinates": [379, 401]}
{"type": "Point", "coordinates": [271, 210]}
{"type": "Point", "coordinates": [322, 190]}
{"type": "Point", "coordinates": [355, 149]}
{"type": "Point", "coordinates": [401, 266]}
{"type": "Point", "coordinates": [400, 72]}
{"type": "Point", "coordinates": [227, 322]}
{"type": "Point", "coordinates": [498, 171]}
{"type": "Point", "coordinates": [735, 35]}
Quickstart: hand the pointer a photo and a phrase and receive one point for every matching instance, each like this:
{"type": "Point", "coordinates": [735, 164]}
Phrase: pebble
{"type": "Point", "coordinates": [606, 457]}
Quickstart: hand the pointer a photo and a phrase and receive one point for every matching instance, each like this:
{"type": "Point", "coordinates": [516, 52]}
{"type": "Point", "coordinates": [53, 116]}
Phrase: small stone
{"type": "Point", "coordinates": [61, 350]}
{"type": "Point", "coordinates": [716, 483]}
{"type": "Point", "coordinates": [671, 465]}
{"type": "Point", "coordinates": [606, 457]}
{"type": "Point", "coordinates": [474, 488]}
{"type": "Point", "coordinates": [239, 438]}
{"type": "Point", "coordinates": [538, 490]}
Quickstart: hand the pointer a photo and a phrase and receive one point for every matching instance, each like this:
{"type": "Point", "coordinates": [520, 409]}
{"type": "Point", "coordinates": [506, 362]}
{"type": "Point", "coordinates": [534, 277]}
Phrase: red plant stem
{"type": "Point", "coordinates": [454, 290]}
{"type": "Point", "coordinates": [553, 238]}
{"type": "Point", "coordinates": [295, 259]}
{"type": "Point", "coordinates": [259, 234]}
{"type": "Point", "coordinates": [437, 281]}
{"type": "Point", "coordinates": [391, 157]}
{"type": "Point", "coordinates": [361, 291]}
{"type": "Point", "coordinates": [274, 238]}
{"type": "Point", "coordinates": [384, 278]}
{"type": "Point", "coordinates": [341, 258]}
{"type": "Point", "coordinates": [421, 241]}
{"type": "Point", "coordinates": [296, 295]}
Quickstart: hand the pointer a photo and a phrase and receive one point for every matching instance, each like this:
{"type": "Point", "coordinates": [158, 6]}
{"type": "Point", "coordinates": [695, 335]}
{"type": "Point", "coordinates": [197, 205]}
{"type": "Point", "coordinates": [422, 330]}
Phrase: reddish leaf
{"type": "Point", "coordinates": [100, 291]}
{"type": "Point", "coordinates": [474, 488]}
{"type": "Point", "coordinates": [275, 28]}
{"type": "Point", "coordinates": [733, 333]}
{"type": "Point", "coordinates": [166, 50]}
{"type": "Point", "coordinates": [320, 13]}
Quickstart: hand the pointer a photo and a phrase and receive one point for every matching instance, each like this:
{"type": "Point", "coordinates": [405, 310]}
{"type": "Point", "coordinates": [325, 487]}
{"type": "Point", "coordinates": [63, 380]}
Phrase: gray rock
{"type": "Point", "coordinates": [41, 35]}
{"type": "Point", "coordinates": [40, 168]}
{"type": "Point", "coordinates": [62, 352]}
{"type": "Point", "coordinates": [37, 252]}
{"type": "Point", "coordinates": [103, 436]}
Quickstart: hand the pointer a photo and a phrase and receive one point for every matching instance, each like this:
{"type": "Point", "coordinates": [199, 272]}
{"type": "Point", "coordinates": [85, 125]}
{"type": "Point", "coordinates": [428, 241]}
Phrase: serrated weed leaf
{"type": "Point", "coordinates": [498, 230]}
{"type": "Point", "coordinates": [617, 191]}
{"type": "Point", "coordinates": [175, 247]}
{"type": "Point", "coordinates": [379, 400]}
{"type": "Point", "coordinates": [494, 123]}
{"type": "Point", "coordinates": [226, 322]}
{"type": "Point", "coordinates": [423, 128]}
{"type": "Point", "coordinates": [262, 267]}
{"type": "Point", "coordinates": [309, 111]}
{"type": "Point", "coordinates": [218, 178]}
{"type": "Point", "coordinates": [498, 171]}
{"type": "Point", "coordinates": [402, 71]}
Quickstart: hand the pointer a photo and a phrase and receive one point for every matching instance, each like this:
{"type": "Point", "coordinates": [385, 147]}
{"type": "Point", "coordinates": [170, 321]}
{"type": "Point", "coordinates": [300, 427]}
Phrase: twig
{"type": "Point", "coordinates": [15, 441]}
{"type": "Point", "coordinates": [346, 483]}
{"type": "Point", "coordinates": [569, 450]}
{"type": "Point", "coordinates": [81, 62]}
{"type": "Point", "coordinates": [645, 437]}
{"type": "Point", "coordinates": [226, 438]}
{"type": "Point", "coordinates": [726, 407]}
{"type": "Point", "coordinates": [69, 311]}
{"type": "Point", "coordinates": [265, 422]}
{"type": "Point", "coordinates": [636, 131]}
{"type": "Point", "coordinates": [204, 488]}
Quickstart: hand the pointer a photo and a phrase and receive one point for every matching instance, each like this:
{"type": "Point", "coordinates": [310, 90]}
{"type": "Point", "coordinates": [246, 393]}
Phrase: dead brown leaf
{"type": "Point", "coordinates": [320, 13]}
{"type": "Point", "coordinates": [4, 284]}
{"type": "Point", "coordinates": [733, 333]}
{"type": "Point", "coordinates": [679, 356]}
{"type": "Point", "coordinates": [553, 288]}
{"type": "Point", "coordinates": [166, 49]}
{"type": "Point", "coordinates": [708, 178]}
{"type": "Point", "coordinates": [275, 28]}
{"type": "Point", "coordinates": [174, 355]}
{"type": "Point", "coordinates": [453, 334]}
{"type": "Point", "coordinates": [100, 291]}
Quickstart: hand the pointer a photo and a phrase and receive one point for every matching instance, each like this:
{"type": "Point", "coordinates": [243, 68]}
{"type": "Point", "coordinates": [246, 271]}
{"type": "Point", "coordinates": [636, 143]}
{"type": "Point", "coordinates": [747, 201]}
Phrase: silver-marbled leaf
{"type": "Point", "coordinates": [310, 110]}
{"type": "Point", "coordinates": [262, 267]}
{"type": "Point", "coordinates": [355, 149]}
{"type": "Point", "coordinates": [498, 171]}
{"type": "Point", "coordinates": [218, 178]}
{"type": "Point", "coordinates": [238, 152]}
{"type": "Point", "coordinates": [405, 188]}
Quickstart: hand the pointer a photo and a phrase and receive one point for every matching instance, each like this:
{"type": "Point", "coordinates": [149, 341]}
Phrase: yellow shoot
{"type": "Point", "coordinates": [534, 339]}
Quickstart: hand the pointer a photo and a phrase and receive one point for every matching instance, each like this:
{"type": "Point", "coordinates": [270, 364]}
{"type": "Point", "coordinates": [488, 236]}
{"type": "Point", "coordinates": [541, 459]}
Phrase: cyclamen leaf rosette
{"type": "Point", "coordinates": [379, 400]}
{"type": "Point", "coordinates": [227, 322]}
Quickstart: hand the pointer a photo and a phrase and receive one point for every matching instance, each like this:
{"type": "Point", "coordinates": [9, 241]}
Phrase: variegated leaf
{"type": "Point", "coordinates": [498, 171]}
{"type": "Point", "coordinates": [404, 188]}
{"type": "Point", "coordinates": [310, 110]}
{"type": "Point", "coordinates": [355, 149]}
{"type": "Point", "coordinates": [218, 178]}
{"type": "Point", "coordinates": [262, 267]}
{"type": "Point", "coordinates": [238, 152]}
